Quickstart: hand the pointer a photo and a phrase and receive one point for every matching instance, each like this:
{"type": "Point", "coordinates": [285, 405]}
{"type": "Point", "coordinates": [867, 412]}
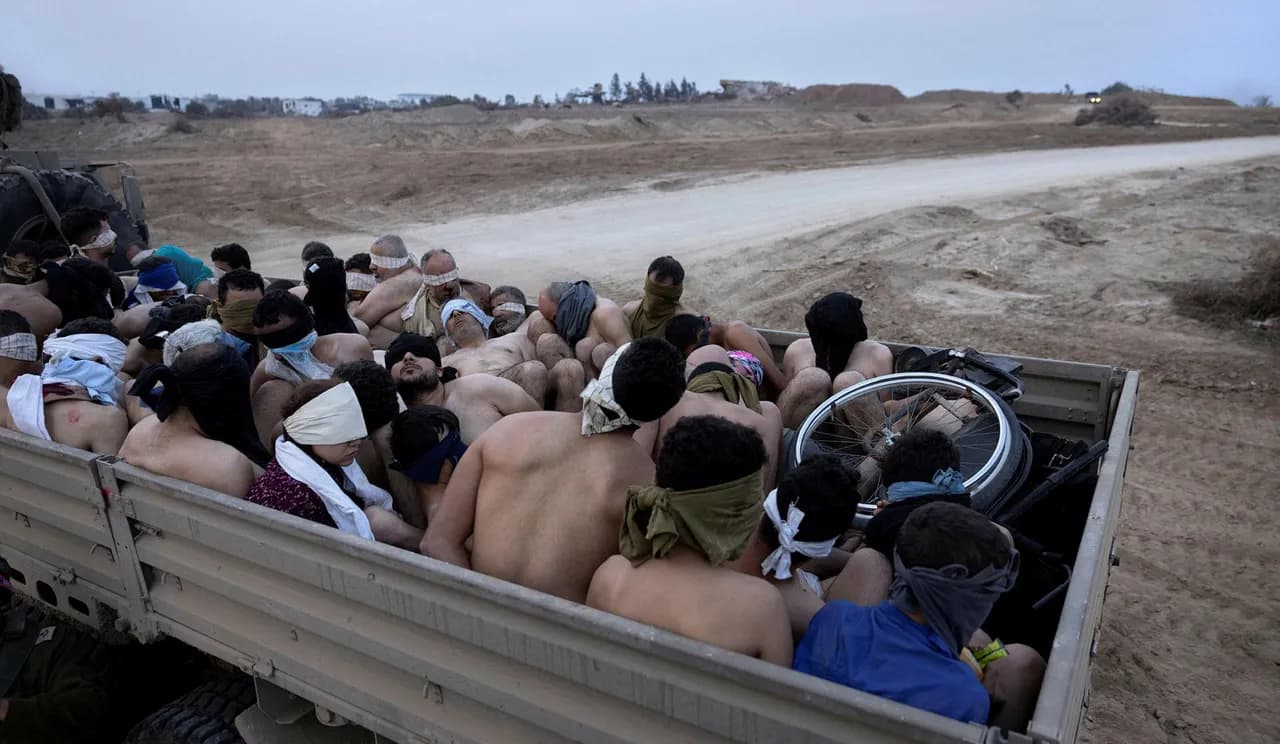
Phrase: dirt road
{"type": "Point", "coordinates": [618, 235]}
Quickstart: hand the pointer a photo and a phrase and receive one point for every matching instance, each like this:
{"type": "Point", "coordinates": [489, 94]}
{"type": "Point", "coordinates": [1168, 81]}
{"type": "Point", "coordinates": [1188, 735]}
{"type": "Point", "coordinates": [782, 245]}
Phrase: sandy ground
{"type": "Point", "coordinates": [1190, 647]}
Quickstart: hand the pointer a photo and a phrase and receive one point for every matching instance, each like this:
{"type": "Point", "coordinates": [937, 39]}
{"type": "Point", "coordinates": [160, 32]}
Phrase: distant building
{"type": "Point", "coordinates": [166, 103]}
{"type": "Point", "coordinates": [303, 106]}
{"type": "Point", "coordinates": [55, 102]}
{"type": "Point", "coordinates": [417, 99]}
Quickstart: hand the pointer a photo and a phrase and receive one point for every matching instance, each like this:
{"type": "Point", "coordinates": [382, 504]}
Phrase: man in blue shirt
{"type": "Point", "coordinates": [191, 271]}
{"type": "Point", "coordinates": [950, 566]}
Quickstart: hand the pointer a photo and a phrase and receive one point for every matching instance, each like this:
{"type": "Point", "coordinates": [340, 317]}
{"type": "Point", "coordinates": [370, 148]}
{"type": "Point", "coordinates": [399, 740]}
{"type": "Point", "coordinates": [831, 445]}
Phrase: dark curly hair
{"type": "Point", "coordinates": [701, 451]}
{"type": "Point", "coordinates": [825, 488]}
{"type": "Point", "coordinates": [375, 390]}
{"type": "Point", "coordinates": [648, 379]}
{"type": "Point", "coordinates": [917, 455]}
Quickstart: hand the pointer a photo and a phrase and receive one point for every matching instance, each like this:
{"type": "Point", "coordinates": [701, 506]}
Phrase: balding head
{"type": "Point", "coordinates": [440, 272]}
{"type": "Point", "coordinates": [389, 257]}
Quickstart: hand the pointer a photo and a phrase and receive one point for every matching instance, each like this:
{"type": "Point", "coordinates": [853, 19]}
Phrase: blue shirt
{"type": "Point", "coordinates": [191, 270]}
{"type": "Point", "coordinates": [882, 651]}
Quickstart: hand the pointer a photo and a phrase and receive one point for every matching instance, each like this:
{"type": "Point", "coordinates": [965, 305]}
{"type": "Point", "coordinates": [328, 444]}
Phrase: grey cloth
{"type": "Point", "coordinates": [573, 312]}
{"type": "Point", "coordinates": [954, 603]}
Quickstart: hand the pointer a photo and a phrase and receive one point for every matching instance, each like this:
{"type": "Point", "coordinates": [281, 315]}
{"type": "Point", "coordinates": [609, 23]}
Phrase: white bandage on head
{"type": "Point", "coordinates": [20, 346]}
{"type": "Point", "coordinates": [104, 240]}
{"type": "Point", "coordinates": [387, 262]}
{"type": "Point", "coordinates": [439, 280]}
{"type": "Point", "coordinates": [779, 561]}
{"type": "Point", "coordinates": [600, 412]}
{"type": "Point", "coordinates": [358, 282]}
{"type": "Point", "coordinates": [333, 417]}
{"type": "Point", "coordinates": [509, 307]}
{"type": "Point", "coordinates": [188, 336]}
{"type": "Point", "coordinates": [141, 256]}
{"type": "Point", "coordinates": [87, 346]}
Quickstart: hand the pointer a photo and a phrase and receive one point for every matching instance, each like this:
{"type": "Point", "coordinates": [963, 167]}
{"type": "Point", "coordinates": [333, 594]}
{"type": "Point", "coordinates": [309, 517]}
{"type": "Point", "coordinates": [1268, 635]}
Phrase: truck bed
{"type": "Point", "coordinates": [416, 650]}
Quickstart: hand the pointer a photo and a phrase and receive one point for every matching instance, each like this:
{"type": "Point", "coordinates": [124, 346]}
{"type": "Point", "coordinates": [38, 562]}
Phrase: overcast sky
{"type": "Point", "coordinates": [331, 48]}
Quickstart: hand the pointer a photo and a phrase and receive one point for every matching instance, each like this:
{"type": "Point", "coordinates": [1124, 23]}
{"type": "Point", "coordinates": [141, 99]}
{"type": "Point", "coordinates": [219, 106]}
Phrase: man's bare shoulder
{"type": "Point", "coordinates": [607, 306]}
{"type": "Point", "coordinates": [481, 385]}
{"type": "Point", "coordinates": [630, 308]}
{"type": "Point", "coordinates": [344, 347]}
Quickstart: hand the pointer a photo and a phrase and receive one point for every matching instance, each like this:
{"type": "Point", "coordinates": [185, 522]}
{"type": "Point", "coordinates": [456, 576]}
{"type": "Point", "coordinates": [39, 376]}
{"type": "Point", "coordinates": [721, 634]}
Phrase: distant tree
{"type": "Point", "coordinates": [631, 91]}
{"type": "Point", "coordinates": [672, 91]}
{"type": "Point", "coordinates": [1115, 88]}
{"type": "Point", "coordinates": [509, 101]}
{"type": "Point", "coordinates": [1262, 101]}
{"type": "Point", "coordinates": [537, 101]}
{"type": "Point", "coordinates": [615, 87]}
{"type": "Point", "coordinates": [646, 90]}
{"type": "Point", "coordinates": [684, 88]}
{"type": "Point", "coordinates": [140, 107]}
{"type": "Point", "coordinates": [1014, 97]}
{"type": "Point", "coordinates": [195, 110]}
{"type": "Point", "coordinates": [112, 105]}
{"type": "Point", "coordinates": [597, 94]}
{"type": "Point", "coordinates": [557, 99]}
{"type": "Point", "coordinates": [693, 89]}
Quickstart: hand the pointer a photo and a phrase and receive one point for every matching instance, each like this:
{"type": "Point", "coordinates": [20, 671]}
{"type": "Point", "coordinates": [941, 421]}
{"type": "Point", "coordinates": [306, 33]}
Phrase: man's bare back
{"type": "Point", "coordinates": [76, 421]}
{"type": "Point", "coordinates": [547, 502]}
{"type": "Point", "coordinates": [165, 448]}
{"type": "Point", "coordinates": [767, 423]}
{"type": "Point", "coordinates": [683, 593]}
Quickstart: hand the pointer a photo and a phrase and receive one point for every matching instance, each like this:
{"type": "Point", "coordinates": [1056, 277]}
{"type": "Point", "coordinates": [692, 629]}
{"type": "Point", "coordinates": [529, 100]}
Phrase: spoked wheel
{"type": "Point", "coordinates": [863, 422]}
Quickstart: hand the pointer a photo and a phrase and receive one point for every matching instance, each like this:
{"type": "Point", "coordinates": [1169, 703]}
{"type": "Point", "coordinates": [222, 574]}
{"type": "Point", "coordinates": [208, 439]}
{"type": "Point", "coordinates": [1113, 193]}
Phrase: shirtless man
{"type": "Point", "coordinates": [750, 352]}
{"type": "Point", "coordinates": [203, 428]}
{"type": "Point", "coordinates": [510, 357]}
{"type": "Point", "coordinates": [715, 390]}
{"type": "Point", "coordinates": [663, 286]}
{"type": "Point", "coordinates": [836, 355]}
{"type": "Point", "coordinates": [75, 289]}
{"type": "Point", "coordinates": [77, 398]}
{"type": "Point", "coordinates": [398, 281]}
{"type": "Point", "coordinates": [574, 323]}
{"type": "Point", "coordinates": [440, 284]}
{"type": "Point", "coordinates": [427, 444]}
{"type": "Point", "coordinates": [239, 292]}
{"type": "Point", "coordinates": [510, 311]}
{"type": "Point", "coordinates": [284, 325]}
{"type": "Point", "coordinates": [708, 485]}
{"type": "Point", "coordinates": [478, 401]}
{"type": "Point", "coordinates": [541, 495]}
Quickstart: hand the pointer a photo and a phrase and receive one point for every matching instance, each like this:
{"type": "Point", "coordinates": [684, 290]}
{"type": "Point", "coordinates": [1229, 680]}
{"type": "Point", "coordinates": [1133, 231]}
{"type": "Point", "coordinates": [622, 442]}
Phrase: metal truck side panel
{"type": "Point", "coordinates": [408, 646]}
{"type": "Point", "coordinates": [1063, 695]}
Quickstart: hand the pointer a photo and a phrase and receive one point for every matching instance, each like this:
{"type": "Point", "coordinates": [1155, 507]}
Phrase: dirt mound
{"type": "Point", "coordinates": [958, 95]}
{"type": "Point", "coordinates": [1253, 297]}
{"type": "Point", "coordinates": [852, 94]}
{"type": "Point", "coordinates": [1169, 99]}
{"type": "Point", "coordinates": [1069, 231]}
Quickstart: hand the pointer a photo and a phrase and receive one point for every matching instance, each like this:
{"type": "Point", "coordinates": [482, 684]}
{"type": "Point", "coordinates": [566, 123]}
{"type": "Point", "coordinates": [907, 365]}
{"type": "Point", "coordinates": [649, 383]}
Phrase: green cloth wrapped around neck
{"type": "Point", "coordinates": [716, 521]}
{"type": "Point", "coordinates": [733, 386]}
{"type": "Point", "coordinates": [656, 309]}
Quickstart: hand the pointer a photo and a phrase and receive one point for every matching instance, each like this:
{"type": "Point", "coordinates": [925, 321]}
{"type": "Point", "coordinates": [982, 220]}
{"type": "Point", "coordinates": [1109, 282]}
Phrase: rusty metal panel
{"type": "Point", "coordinates": [418, 650]}
{"type": "Point", "coordinates": [1066, 681]}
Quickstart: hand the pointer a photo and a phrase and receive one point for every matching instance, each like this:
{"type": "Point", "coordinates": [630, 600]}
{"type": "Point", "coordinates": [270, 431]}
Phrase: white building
{"type": "Point", "coordinates": [57, 102]}
{"type": "Point", "coordinates": [303, 106]}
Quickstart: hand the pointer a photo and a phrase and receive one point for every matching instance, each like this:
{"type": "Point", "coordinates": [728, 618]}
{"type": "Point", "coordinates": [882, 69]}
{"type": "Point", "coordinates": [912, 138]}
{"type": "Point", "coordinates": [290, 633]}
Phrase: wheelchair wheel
{"type": "Point", "coordinates": [862, 423]}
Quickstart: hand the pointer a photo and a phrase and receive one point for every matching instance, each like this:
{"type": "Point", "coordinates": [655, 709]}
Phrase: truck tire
{"type": "Point", "coordinates": [206, 715]}
{"type": "Point", "coordinates": [66, 190]}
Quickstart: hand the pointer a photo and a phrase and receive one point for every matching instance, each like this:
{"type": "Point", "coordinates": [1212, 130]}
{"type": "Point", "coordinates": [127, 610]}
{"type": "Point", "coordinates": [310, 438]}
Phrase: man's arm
{"type": "Point", "coordinates": [774, 625]}
{"type": "Point", "coordinates": [511, 398]}
{"type": "Point", "coordinates": [613, 324]}
{"type": "Point", "coordinates": [455, 520]}
{"type": "Point", "coordinates": [378, 304]}
{"type": "Point", "coordinates": [739, 335]}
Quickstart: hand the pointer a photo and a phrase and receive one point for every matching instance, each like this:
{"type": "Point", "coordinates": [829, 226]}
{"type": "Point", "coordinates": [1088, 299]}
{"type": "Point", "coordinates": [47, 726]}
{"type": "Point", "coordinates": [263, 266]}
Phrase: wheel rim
{"type": "Point", "coordinates": [857, 423]}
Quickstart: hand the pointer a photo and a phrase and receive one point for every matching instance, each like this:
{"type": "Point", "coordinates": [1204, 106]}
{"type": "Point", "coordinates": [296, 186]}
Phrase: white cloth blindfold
{"type": "Point", "coordinates": [357, 282]}
{"type": "Point", "coordinates": [20, 346]}
{"type": "Point", "coordinates": [600, 412]}
{"type": "Point", "coordinates": [387, 262]}
{"type": "Point", "coordinates": [779, 561]}
{"type": "Point", "coordinates": [439, 280]}
{"type": "Point", "coordinates": [333, 417]}
{"type": "Point", "coordinates": [510, 307]}
{"type": "Point", "coordinates": [104, 240]}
